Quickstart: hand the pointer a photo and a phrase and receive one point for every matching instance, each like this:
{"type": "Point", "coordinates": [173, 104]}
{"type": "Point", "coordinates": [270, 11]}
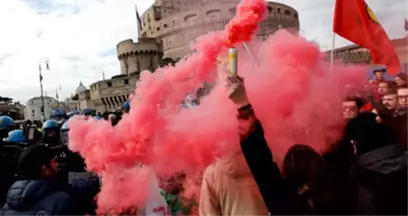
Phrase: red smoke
{"type": "Point", "coordinates": [249, 13]}
{"type": "Point", "coordinates": [294, 93]}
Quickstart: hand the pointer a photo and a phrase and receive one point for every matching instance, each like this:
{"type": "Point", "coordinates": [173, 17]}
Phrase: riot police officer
{"type": "Point", "coordinates": [125, 107]}
{"type": "Point", "coordinates": [51, 133]}
{"type": "Point", "coordinates": [80, 184]}
{"type": "Point", "coordinates": [10, 151]}
{"type": "Point", "coordinates": [17, 136]}
{"type": "Point", "coordinates": [6, 125]}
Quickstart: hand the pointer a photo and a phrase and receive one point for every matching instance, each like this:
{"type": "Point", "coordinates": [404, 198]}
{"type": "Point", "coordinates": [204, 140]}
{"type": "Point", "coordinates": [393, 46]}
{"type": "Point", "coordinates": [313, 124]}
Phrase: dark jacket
{"type": "Point", "coordinates": [37, 197]}
{"type": "Point", "coordinates": [283, 198]}
{"type": "Point", "coordinates": [9, 153]}
{"type": "Point", "coordinates": [279, 197]}
{"type": "Point", "coordinates": [382, 177]}
{"type": "Point", "coordinates": [82, 186]}
{"type": "Point", "coordinates": [398, 122]}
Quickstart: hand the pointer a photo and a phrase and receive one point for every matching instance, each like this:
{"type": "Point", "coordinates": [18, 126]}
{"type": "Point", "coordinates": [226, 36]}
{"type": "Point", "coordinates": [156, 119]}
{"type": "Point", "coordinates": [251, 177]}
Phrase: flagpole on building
{"type": "Point", "coordinates": [138, 20]}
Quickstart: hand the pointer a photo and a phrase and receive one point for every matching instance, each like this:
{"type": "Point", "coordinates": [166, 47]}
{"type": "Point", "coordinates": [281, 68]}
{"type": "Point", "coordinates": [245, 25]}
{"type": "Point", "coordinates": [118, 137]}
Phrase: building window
{"type": "Point", "coordinates": [109, 84]}
{"type": "Point", "coordinates": [296, 16]}
{"type": "Point", "coordinates": [33, 111]}
{"type": "Point", "coordinates": [126, 67]}
{"type": "Point", "coordinates": [278, 10]}
{"type": "Point", "coordinates": [169, 42]}
{"type": "Point", "coordinates": [126, 82]}
{"type": "Point", "coordinates": [287, 12]}
{"type": "Point", "coordinates": [158, 28]}
{"type": "Point", "coordinates": [165, 25]}
{"type": "Point", "coordinates": [151, 63]}
{"type": "Point", "coordinates": [269, 8]}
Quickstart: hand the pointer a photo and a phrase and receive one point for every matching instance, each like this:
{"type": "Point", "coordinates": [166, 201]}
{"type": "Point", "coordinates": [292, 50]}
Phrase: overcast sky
{"type": "Point", "coordinates": [80, 37]}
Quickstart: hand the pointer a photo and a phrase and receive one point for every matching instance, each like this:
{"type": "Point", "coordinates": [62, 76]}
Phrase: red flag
{"type": "Point", "coordinates": [355, 21]}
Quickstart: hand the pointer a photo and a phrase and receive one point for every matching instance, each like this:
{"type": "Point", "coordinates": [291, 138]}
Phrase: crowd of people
{"type": "Point", "coordinates": [40, 173]}
{"type": "Point", "coordinates": [365, 172]}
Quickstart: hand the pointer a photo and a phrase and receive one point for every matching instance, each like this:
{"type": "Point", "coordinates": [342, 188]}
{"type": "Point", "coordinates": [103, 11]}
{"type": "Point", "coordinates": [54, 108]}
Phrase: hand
{"type": "Point", "coordinates": [237, 91]}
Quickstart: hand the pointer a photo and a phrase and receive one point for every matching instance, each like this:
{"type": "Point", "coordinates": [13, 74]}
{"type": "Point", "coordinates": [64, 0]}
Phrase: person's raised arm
{"type": "Point", "coordinates": [257, 153]}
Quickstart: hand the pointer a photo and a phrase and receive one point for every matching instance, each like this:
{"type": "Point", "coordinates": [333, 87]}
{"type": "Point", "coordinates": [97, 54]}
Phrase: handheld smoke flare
{"type": "Point", "coordinates": [233, 61]}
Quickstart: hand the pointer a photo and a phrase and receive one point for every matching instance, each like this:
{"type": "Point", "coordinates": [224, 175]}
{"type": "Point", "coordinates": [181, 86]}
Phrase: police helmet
{"type": "Point", "coordinates": [64, 133]}
{"type": "Point", "coordinates": [50, 124]}
{"type": "Point", "coordinates": [16, 136]}
{"type": "Point", "coordinates": [126, 106]}
{"type": "Point", "coordinates": [61, 122]}
{"type": "Point", "coordinates": [87, 112]}
{"type": "Point", "coordinates": [65, 126]}
{"type": "Point", "coordinates": [58, 113]}
{"type": "Point", "coordinates": [73, 113]}
{"type": "Point", "coordinates": [6, 122]}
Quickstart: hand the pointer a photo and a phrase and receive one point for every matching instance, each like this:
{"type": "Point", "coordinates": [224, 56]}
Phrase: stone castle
{"type": "Point", "coordinates": [168, 28]}
{"type": "Point", "coordinates": [357, 55]}
{"type": "Point", "coordinates": [177, 23]}
{"type": "Point", "coordinates": [109, 94]}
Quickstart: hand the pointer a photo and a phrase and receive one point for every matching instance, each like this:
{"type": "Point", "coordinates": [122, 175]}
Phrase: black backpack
{"type": "Point", "coordinates": [387, 194]}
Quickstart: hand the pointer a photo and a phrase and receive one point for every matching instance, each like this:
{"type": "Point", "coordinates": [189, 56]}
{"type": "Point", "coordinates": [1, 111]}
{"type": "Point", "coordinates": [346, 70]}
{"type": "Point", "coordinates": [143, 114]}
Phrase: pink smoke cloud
{"type": "Point", "coordinates": [295, 94]}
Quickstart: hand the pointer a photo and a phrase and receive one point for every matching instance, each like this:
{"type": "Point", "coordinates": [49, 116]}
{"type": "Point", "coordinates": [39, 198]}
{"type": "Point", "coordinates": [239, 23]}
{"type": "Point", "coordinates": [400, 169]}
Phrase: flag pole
{"type": "Point", "coordinates": [250, 55]}
{"type": "Point", "coordinates": [139, 28]}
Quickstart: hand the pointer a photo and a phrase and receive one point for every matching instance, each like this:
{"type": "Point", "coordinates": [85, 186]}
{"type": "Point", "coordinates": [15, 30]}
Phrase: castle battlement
{"type": "Point", "coordinates": [146, 54]}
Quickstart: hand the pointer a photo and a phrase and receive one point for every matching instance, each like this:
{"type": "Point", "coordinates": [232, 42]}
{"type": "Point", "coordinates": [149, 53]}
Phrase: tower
{"type": "Point", "coordinates": [146, 54]}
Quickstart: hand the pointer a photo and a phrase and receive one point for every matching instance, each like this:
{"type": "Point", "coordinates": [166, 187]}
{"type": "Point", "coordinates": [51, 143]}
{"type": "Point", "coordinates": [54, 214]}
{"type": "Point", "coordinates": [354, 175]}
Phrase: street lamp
{"type": "Point", "coordinates": [43, 60]}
